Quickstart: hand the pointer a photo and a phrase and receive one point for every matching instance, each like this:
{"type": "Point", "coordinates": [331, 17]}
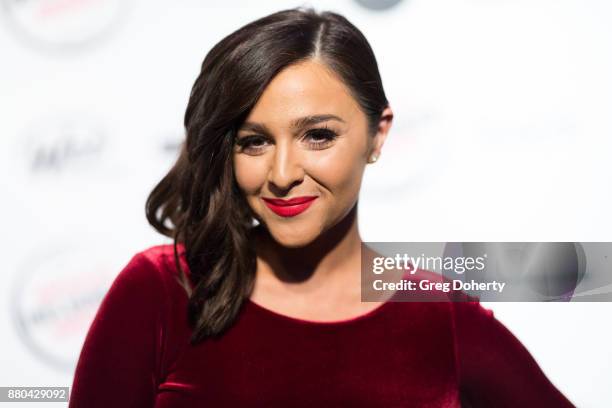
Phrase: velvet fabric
{"type": "Point", "coordinates": [401, 354]}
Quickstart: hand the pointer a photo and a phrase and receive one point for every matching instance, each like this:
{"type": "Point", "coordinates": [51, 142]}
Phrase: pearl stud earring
{"type": "Point", "coordinates": [373, 158]}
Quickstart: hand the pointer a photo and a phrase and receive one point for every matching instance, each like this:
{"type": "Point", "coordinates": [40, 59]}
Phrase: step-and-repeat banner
{"type": "Point", "coordinates": [501, 133]}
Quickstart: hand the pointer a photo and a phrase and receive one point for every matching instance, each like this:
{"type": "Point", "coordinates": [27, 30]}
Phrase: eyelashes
{"type": "Point", "coordinates": [315, 139]}
{"type": "Point", "coordinates": [319, 137]}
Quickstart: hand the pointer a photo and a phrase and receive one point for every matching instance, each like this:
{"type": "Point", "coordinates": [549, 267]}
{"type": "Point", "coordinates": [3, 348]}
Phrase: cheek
{"type": "Point", "coordinates": [249, 173]}
{"type": "Point", "coordinates": [340, 171]}
{"type": "Point", "coordinates": [349, 180]}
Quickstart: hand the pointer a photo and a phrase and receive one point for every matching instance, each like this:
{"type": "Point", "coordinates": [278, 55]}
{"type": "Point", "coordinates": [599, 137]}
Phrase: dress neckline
{"type": "Point", "coordinates": [331, 323]}
{"type": "Point", "coordinates": [322, 323]}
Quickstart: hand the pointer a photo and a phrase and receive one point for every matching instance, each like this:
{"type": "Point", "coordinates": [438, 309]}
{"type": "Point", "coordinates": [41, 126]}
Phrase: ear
{"type": "Point", "coordinates": [386, 119]}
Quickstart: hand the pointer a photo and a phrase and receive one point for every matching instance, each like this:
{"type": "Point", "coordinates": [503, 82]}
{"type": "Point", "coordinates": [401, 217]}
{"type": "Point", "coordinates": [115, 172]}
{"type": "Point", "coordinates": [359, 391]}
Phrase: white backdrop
{"type": "Point", "coordinates": [502, 133]}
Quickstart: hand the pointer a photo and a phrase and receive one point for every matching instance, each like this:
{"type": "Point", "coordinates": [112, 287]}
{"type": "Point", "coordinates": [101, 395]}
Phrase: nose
{"type": "Point", "coordinates": [286, 167]}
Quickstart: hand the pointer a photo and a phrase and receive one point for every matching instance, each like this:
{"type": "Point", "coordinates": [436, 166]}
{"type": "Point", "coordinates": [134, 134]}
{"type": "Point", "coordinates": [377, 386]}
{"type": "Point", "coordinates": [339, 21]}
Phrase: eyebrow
{"type": "Point", "coordinates": [296, 125]}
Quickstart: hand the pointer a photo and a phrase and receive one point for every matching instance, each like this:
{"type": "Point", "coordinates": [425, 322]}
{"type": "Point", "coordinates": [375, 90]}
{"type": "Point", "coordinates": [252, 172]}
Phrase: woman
{"type": "Point", "coordinates": [258, 301]}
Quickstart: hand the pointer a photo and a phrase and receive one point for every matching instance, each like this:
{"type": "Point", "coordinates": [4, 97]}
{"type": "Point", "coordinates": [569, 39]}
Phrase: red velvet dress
{"type": "Point", "coordinates": [401, 354]}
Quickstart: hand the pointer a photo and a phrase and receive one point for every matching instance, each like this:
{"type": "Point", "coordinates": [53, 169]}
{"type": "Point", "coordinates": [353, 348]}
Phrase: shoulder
{"type": "Point", "coordinates": [134, 333]}
{"type": "Point", "coordinates": [469, 310]}
{"type": "Point", "coordinates": [148, 292]}
{"type": "Point", "coordinates": [151, 273]}
{"type": "Point", "coordinates": [471, 319]}
{"type": "Point", "coordinates": [161, 257]}
{"type": "Point", "coordinates": [466, 312]}
{"type": "Point", "coordinates": [158, 262]}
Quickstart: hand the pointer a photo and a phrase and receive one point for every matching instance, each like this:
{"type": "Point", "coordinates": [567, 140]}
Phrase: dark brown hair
{"type": "Point", "coordinates": [199, 197]}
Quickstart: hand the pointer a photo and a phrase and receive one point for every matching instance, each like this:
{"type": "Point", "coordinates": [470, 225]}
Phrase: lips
{"type": "Point", "coordinates": [291, 207]}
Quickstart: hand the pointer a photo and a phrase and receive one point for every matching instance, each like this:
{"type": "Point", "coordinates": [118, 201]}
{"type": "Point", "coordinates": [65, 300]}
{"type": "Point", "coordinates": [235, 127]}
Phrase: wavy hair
{"type": "Point", "coordinates": [198, 203]}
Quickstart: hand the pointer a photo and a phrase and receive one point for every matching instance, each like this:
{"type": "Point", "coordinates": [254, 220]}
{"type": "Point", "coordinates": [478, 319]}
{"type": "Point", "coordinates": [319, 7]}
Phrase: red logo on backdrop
{"type": "Point", "coordinates": [55, 298]}
{"type": "Point", "coordinates": [63, 25]}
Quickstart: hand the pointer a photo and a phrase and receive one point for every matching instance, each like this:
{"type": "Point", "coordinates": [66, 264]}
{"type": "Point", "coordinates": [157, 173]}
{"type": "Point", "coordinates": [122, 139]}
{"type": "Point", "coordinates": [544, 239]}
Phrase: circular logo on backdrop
{"type": "Point", "coordinates": [378, 4]}
{"type": "Point", "coordinates": [55, 298]}
{"type": "Point", "coordinates": [63, 25]}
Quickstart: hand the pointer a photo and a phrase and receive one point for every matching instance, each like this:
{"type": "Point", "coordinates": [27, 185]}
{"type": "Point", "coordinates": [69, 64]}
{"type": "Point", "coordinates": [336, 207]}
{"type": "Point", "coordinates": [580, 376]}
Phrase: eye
{"type": "Point", "coordinates": [320, 138]}
{"type": "Point", "coordinates": [316, 139]}
{"type": "Point", "coordinates": [251, 144]}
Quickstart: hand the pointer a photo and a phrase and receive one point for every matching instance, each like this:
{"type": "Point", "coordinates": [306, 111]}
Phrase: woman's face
{"type": "Point", "coordinates": [305, 137]}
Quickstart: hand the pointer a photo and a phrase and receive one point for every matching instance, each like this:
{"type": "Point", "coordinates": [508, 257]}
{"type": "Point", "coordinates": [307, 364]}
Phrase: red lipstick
{"type": "Point", "coordinates": [291, 207]}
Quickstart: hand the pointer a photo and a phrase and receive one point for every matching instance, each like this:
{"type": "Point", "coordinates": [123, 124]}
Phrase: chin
{"type": "Point", "coordinates": [292, 237]}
